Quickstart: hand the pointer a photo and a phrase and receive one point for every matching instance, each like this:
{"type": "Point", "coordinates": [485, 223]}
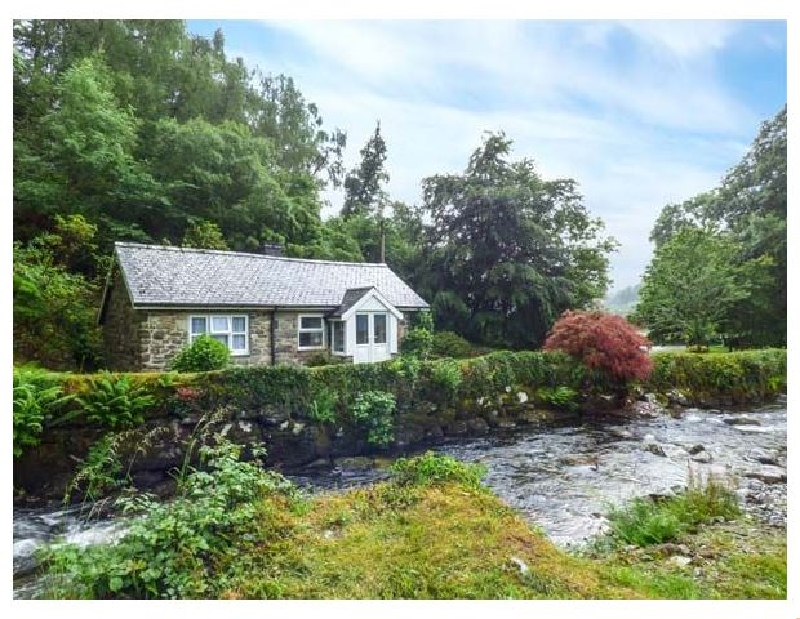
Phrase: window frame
{"type": "Point", "coordinates": [229, 333]}
{"type": "Point", "coordinates": [333, 324]}
{"type": "Point", "coordinates": [301, 330]}
{"type": "Point", "coordinates": [367, 331]}
{"type": "Point", "coordinates": [385, 341]}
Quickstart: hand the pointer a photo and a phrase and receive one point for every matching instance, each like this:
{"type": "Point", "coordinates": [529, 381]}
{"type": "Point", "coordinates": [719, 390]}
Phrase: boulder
{"type": "Point", "coordinates": [656, 449]}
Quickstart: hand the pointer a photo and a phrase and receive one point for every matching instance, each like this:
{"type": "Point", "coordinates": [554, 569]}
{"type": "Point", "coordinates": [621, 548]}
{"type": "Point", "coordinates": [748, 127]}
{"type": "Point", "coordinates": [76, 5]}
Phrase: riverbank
{"type": "Point", "coordinates": [434, 535]}
{"type": "Point", "coordinates": [560, 482]}
{"type": "Point", "coordinates": [312, 416]}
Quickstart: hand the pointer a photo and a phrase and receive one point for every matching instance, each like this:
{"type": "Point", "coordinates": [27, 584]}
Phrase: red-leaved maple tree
{"type": "Point", "coordinates": [602, 341]}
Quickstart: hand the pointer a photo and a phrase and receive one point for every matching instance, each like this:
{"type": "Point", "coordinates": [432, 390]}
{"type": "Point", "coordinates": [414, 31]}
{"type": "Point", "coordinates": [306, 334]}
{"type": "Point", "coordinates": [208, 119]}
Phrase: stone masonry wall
{"type": "Point", "coordinates": [166, 332]}
{"type": "Point", "coordinates": [286, 340]}
{"type": "Point", "coordinates": [121, 330]}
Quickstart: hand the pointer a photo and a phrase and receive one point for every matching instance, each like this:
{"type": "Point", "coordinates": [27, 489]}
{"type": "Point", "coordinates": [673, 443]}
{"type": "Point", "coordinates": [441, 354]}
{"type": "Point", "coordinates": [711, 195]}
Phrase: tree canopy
{"type": "Point", "coordinates": [139, 130]}
{"type": "Point", "coordinates": [747, 215]}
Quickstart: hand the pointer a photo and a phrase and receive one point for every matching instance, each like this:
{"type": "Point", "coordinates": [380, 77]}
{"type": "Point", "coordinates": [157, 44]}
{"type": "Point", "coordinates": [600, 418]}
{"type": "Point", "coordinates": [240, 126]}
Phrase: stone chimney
{"type": "Point", "coordinates": [271, 249]}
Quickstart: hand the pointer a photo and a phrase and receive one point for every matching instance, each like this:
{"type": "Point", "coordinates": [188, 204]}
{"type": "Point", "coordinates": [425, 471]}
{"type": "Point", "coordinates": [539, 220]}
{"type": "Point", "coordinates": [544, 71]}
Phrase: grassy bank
{"type": "Point", "coordinates": [432, 532]}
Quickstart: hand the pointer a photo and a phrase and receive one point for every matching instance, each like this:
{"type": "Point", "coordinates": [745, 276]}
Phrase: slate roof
{"type": "Point", "coordinates": [350, 298]}
{"type": "Point", "coordinates": [165, 276]}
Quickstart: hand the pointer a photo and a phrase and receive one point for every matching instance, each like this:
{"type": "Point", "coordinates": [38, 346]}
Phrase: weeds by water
{"type": "Point", "coordinates": [645, 521]}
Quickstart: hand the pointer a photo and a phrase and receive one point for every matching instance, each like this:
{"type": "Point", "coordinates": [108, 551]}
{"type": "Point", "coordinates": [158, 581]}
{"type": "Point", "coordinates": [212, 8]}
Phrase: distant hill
{"type": "Point", "coordinates": [623, 301]}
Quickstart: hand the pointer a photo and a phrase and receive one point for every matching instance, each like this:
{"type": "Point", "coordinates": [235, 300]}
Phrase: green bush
{"type": "Point", "coordinates": [435, 469]}
{"type": "Point", "coordinates": [115, 402]}
{"type": "Point", "coordinates": [446, 375]}
{"type": "Point", "coordinates": [324, 358]}
{"type": "Point", "coordinates": [36, 396]}
{"type": "Point", "coordinates": [741, 375]}
{"type": "Point", "coordinates": [375, 410]}
{"type": "Point", "coordinates": [418, 341]}
{"type": "Point", "coordinates": [450, 344]}
{"type": "Point", "coordinates": [203, 355]}
{"type": "Point", "coordinates": [560, 397]}
{"type": "Point", "coordinates": [323, 408]}
{"type": "Point", "coordinates": [177, 549]}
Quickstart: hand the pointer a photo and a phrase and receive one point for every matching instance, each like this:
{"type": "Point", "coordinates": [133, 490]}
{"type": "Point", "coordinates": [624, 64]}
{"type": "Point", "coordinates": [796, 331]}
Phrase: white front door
{"type": "Point", "coordinates": [372, 337]}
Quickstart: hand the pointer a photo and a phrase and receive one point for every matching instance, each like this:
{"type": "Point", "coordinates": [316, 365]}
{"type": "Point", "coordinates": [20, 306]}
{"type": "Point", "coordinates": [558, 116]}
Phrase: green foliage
{"type": "Point", "coordinates": [691, 286]}
{"type": "Point", "coordinates": [375, 411]}
{"type": "Point", "coordinates": [431, 468]}
{"type": "Point", "coordinates": [204, 354]}
{"type": "Point", "coordinates": [449, 344]}
{"type": "Point", "coordinates": [204, 235]}
{"type": "Point", "coordinates": [750, 208]}
{"type": "Point", "coordinates": [363, 185]}
{"type": "Point", "coordinates": [54, 313]}
{"type": "Point", "coordinates": [323, 408]}
{"type": "Point", "coordinates": [560, 397]}
{"type": "Point", "coordinates": [645, 522]}
{"type": "Point", "coordinates": [743, 376]}
{"type": "Point", "coordinates": [446, 375]}
{"type": "Point", "coordinates": [324, 358]}
{"type": "Point", "coordinates": [115, 402]}
{"type": "Point", "coordinates": [36, 395]}
{"type": "Point", "coordinates": [174, 550]}
{"type": "Point", "coordinates": [515, 249]}
{"type": "Point", "coordinates": [418, 341]}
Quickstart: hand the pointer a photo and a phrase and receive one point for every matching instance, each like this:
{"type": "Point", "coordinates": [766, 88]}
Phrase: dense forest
{"type": "Point", "coordinates": [138, 130]}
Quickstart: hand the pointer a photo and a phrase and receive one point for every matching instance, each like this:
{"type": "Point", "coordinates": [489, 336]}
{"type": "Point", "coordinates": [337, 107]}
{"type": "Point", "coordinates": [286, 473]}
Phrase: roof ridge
{"type": "Point", "coordinates": [229, 252]}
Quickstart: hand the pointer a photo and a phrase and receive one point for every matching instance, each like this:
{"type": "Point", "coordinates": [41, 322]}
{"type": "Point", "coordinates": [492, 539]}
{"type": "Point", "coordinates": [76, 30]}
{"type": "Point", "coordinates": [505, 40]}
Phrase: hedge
{"type": "Point", "coordinates": [444, 384]}
{"type": "Point", "coordinates": [742, 376]}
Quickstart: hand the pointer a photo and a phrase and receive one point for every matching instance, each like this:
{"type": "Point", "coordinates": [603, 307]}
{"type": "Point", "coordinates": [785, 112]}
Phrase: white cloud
{"type": "Point", "coordinates": [637, 132]}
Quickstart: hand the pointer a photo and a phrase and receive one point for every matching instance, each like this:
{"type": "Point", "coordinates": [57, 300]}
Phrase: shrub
{"type": "Point", "coordinates": [603, 342]}
{"type": "Point", "coordinates": [446, 375]}
{"type": "Point", "coordinates": [419, 338]}
{"type": "Point", "coordinates": [449, 344]}
{"type": "Point", "coordinates": [323, 408]}
{"type": "Point", "coordinates": [115, 402]}
{"type": "Point", "coordinates": [35, 397]}
{"type": "Point", "coordinates": [203, 355]}
{"type": "Point", "coordinates": [173, 550]}
{"type": "Point", "coordinates": [560, 397]}
{"type": "Point", "coordinates": [324, 358]}
{"type": "Point", "coordinates": [435, 469]}
{"type": "Point", "coordinates": [742, 375]}
{"type": "Point", "coordinates": [375, 410]}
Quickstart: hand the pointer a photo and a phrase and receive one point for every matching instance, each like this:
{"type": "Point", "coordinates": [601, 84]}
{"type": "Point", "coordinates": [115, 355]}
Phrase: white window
{"type": "Point", "coordinates": [310, 332]}
{"type": "Point", "coordinates": [379, 328]}
{"type": "Point", "coordinates": [362, 328]}
{"type": "Point", "coordinates": [230, 330]}
{"type": "Point", "coordinates": [337, 326]}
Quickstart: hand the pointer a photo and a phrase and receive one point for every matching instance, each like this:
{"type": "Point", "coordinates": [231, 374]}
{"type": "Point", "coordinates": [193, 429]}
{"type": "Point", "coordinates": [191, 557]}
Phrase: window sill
{"type": "Point", "coordinates": [304, 348]}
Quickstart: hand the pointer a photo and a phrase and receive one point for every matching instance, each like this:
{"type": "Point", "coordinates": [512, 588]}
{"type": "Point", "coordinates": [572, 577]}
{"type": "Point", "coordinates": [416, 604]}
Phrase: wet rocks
{"type": "Point", "coordinates": [656, 449]}
{"type": "Point", "coordinates": [768, 475]}
{"type": "Point", "coordinates": [741, 421]}
{"type": "Point", "coordinates": [695, 449]}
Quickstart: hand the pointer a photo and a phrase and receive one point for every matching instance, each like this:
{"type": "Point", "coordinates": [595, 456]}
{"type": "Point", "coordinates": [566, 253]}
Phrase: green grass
{"type": "Point", "coordinates": [645, 522]}
{"type": "Point", "coordinates": [433, 532]}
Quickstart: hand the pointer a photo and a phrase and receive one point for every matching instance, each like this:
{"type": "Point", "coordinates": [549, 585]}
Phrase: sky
{"type": "Point", "coordinates": [640, 113]}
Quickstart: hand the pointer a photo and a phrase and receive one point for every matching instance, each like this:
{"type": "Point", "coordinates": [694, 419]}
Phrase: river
{"type": "Point", "coordinates": [562, 479]}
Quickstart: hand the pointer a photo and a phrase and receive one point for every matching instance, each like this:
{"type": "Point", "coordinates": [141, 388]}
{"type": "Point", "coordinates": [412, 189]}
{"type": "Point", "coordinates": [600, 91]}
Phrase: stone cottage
{"type": "Point", "coordinates": [265, 308]}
